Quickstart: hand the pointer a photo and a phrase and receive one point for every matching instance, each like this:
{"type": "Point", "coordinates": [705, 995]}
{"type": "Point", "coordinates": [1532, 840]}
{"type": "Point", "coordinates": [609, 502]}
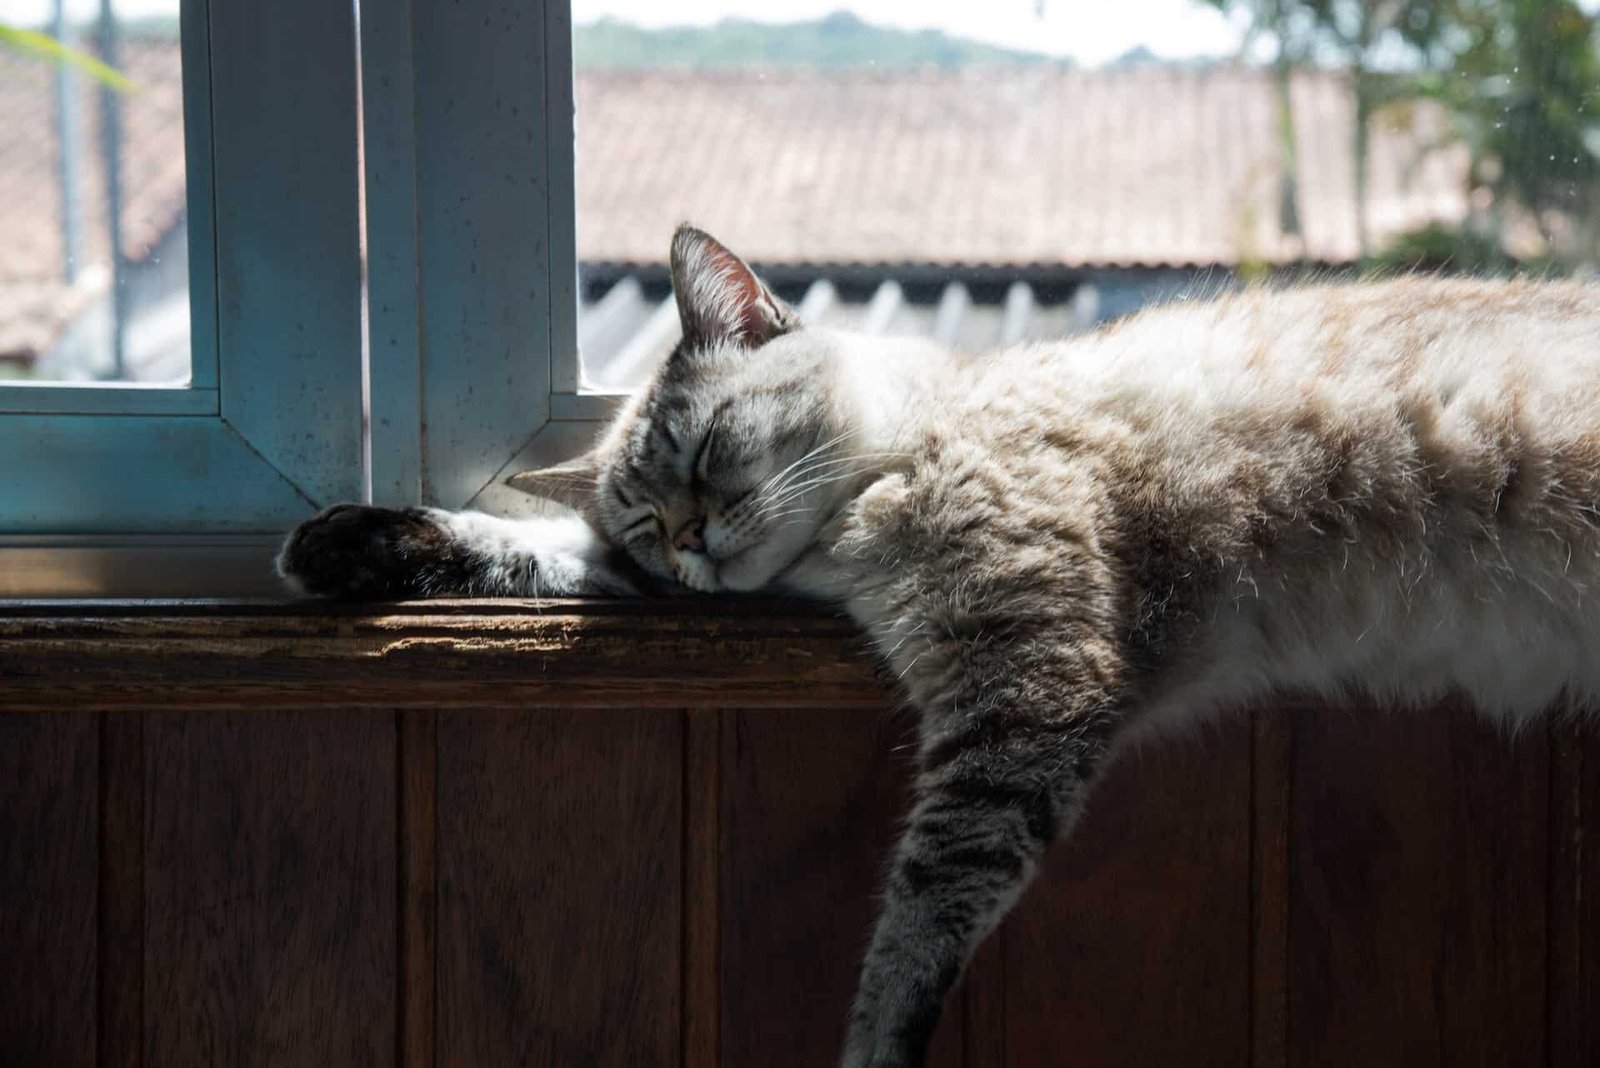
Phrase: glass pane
{"type": "Point", "coordinates": [94, 273]}
{"type": "Point", "coordinates": [983, 173]}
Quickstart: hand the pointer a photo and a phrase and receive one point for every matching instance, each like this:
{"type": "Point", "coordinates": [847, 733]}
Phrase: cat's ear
{"type": "Point", "coordinates": [571, 483]}
{"type": "Point", "coordinates": [719, 296]}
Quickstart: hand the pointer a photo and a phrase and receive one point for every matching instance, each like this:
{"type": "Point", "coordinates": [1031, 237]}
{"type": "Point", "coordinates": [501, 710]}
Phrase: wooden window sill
{"type": "Point", "coordinates": [432, 654]}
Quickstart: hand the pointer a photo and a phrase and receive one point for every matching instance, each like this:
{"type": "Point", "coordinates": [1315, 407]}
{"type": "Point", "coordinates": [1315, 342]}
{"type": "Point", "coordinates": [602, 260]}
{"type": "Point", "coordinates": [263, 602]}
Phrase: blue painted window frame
{"type": "Point", "coordinates": [471, 302]}
{"type": "Point", "coordinates": [469, 133]}
{"type": "Point", "coordinates": [270, 424]}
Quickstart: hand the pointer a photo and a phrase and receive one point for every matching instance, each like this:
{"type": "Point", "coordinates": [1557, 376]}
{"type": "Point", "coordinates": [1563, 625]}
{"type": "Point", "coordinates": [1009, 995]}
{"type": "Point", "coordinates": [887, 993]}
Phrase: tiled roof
{"type": "Point", "coordinates": [34, 302]}
{"type": "Point", "coordinates": [1134, 167]}
{"type": "Point", "coordinates": [992, 167]}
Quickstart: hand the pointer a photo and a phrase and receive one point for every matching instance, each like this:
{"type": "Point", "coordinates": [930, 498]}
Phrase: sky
{"type": "Point", "coordinates": [1089, 31]}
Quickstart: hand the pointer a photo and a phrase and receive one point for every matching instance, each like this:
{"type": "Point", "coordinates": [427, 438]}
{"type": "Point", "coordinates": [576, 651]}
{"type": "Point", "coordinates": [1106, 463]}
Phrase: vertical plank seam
{"type": "Point", "coordinates": [687, 859]}
{"type": "Point", "coordinates": [700, 957]}
{"type": "Point", "coordinates": [402, 912]}
{"type": "Point", "coordinates": [416, 859]}
{"type": "Point", "coordinates": [1271, 804]}
{"type": "Point", "coordinates": [1564, 964]}
{"type": "Point", "coordinates": [433, 891]}
{"type": "Point", "coordinates": [115, 881]}
{"type": "Point", "coordinates": [142, 794]}
{"type": "Point", "coordinates": [1555, 780]}
{"type": "Point", "coordinates": [1003, 1032]}
{"type": "Point", "coordinates": [1254, 934]}
{"type": "Point", "coordinates": [102, 890]}
{"type": "Point", "coordinates": [1283, 844]}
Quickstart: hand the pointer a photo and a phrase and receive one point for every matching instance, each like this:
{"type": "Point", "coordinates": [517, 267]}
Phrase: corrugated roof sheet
{"type": "Point", "coordinates": [629, 324]}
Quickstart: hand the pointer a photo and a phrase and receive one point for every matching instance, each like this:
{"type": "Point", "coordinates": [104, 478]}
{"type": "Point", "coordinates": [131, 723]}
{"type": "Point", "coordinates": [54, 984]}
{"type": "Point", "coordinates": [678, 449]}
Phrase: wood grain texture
{"type": "Point", "coordinates": [1133, 947]}
{"type": "Point", "coordinates": [811, 802]}
{"type": "Point", "coordinates": [1272, 728]}
{"type": "Point", "coordinates": [121, 912]}
{"type": "Point", "coordinates": [203, 873]}
{"type": "Point", "coordinates": [1574, 971]}
{"type": "Point", "coordinates": [270, 881]}
{"type": "Point", "coordinates": [1419, 857]}
{"type": "Point", "coordinates": [983, 1005]}
{"type": "Point", "coordinates": [419, 870]}
{"type": "Point", "coordinates": [559, 889]}
{"type": "Point", "coordinates": [702, 878]}
{"type": "Point", "coordinates": [668, 654]}
{"type": "Point", "coordinates": [48, 876]}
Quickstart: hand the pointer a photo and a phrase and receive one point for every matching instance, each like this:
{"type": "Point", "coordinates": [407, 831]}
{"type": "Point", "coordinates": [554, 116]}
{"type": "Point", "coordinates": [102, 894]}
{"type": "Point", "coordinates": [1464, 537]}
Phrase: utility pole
{"type": "Point", "coordinates": [111, 150]}
{"type": "Point", "coordinates": [68, 158]}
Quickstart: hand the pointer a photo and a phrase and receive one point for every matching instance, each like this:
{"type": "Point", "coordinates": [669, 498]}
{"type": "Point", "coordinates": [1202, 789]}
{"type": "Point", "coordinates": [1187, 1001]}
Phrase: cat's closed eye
{"type": "Point", "coordinates": [649, 522]}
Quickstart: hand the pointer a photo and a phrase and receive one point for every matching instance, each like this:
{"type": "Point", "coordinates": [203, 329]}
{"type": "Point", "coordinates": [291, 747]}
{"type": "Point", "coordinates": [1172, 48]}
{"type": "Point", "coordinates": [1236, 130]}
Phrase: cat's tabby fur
{"type": "Point", "coordinates": [1392, 488]}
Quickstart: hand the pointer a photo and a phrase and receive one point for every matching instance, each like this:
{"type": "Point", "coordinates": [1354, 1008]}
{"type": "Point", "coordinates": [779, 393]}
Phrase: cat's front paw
{"type": "Point", "coordinates": [363, 552]}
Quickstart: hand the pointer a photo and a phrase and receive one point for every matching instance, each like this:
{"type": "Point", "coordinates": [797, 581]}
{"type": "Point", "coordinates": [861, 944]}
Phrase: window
{"type": "Point", "coordinates": [96, 283]}
{"type": "Point", "coordinates": [985, 173]}
{"type": "Point", "coordinates": [234, 434]}
{"type": "Point", "coordinates": [405, 292]}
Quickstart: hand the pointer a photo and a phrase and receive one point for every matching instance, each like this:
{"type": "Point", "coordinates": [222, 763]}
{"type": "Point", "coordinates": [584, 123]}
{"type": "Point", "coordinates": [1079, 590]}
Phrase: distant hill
{"type": "Point", "coordinates": [837, 40]}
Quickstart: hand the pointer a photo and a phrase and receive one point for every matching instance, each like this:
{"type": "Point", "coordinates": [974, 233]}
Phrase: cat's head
{"type": "Point", "coordinates": [720, 472]}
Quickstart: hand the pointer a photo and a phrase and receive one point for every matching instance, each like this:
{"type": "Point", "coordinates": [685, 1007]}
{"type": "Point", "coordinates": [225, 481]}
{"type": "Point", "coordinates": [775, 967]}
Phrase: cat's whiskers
{"type": "Point", "coordinates": [809, 478]}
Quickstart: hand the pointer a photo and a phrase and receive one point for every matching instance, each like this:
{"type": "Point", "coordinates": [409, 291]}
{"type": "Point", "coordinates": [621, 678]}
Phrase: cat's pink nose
{"type": "Point", "coordinates": [690, 536]}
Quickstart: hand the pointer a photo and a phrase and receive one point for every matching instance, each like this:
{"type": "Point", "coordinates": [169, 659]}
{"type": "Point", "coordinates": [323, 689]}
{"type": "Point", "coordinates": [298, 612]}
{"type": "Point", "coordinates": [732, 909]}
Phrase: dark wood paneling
{"type": "Point", "coordinates": [810, 806]}
{"type": "Point", "coordinates": [702, 905]}
{"type": "Point", "coordinates": [419, 869]}
{"type": "Point", "coordinates": [48, 877]}
{"type": "Point", "coordinates": [1575, 894]}
{"type": "Point", "coordinates": [1271, 791]}
{"type": "Point", "coordinates": [1419, 857]}
{"type": "Point", "coordinates": [121, 984]}
{"type": "Point", "coordinates": [560, 889]}
{"type": "Point", "coordinates": [356, 886]}
{"type": "Point", "coordinates": [271, 897]}
{"type": "Point", "coordinates": [1133, 948]}
{"type": "Point", "coordinates": [983, 1005]}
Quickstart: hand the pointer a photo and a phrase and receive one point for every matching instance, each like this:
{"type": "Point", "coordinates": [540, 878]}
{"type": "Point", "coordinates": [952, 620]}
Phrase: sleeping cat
{"type": "Point", "coordinates": [1388, 487]}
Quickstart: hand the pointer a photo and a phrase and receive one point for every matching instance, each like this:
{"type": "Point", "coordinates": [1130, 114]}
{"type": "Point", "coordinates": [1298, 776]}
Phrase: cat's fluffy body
{"type": "Point", "coordinates": [1391, 488]}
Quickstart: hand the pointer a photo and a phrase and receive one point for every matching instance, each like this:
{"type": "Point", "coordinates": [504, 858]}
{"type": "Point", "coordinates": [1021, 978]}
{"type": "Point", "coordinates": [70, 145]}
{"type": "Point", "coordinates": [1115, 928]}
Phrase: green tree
{"type": "Point", "coordinates": [1521, 84]}
{"type": "Point", "coordinates": [1367, 39]}
{"type": "Point", "coordinates": [43, 46]}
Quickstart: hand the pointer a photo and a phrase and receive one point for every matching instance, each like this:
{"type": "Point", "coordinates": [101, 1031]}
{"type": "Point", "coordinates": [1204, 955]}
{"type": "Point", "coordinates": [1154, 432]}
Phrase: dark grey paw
{"type": "Point", "coordinates": [362, 552]}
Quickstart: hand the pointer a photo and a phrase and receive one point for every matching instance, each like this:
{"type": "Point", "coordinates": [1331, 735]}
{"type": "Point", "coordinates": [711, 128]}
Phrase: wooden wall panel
{"type": "Point", "coordinates": [466, 878]}
{"type": "Point", "coordinates": [122, 901]}
{"type": "Point", "coordinates": [810, 804]}
{"type": "Point", "coordinates": [418, 760]}
{"type": "Point", "coordinates": [1575, 894]}
{"type": "Point", "coordinates": [1419, 856]}
{"type": "Point", "coordinates": [560, 889]}
{"type": "Point", "coordinates": [48, 875]}
{"type": "Point", "coordinates": [270, 882]}
{"type": "Point", "coordinates": [1133, 946]}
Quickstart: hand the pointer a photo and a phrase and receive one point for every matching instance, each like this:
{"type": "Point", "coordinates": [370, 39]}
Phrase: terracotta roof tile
{"type": "Point", "coordinates": [1147, 166]}
{"type": "Point", "coordinates": [1140, 167]}
{"type": "Point", "coordinates": [32, 296]}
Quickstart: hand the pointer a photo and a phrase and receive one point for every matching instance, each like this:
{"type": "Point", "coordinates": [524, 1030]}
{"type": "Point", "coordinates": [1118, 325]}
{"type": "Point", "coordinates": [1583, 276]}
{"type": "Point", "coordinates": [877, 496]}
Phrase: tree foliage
{"type": "Point", "coordinates": [1518, 80]}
